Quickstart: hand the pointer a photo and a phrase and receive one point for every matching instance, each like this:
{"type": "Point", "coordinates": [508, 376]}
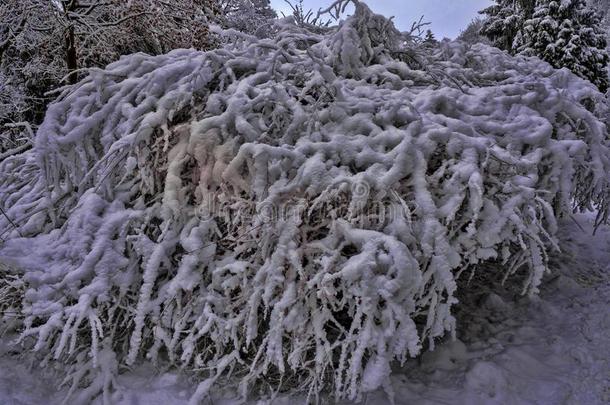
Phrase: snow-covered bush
{"type": "Point", "coordinates": [295, 210]}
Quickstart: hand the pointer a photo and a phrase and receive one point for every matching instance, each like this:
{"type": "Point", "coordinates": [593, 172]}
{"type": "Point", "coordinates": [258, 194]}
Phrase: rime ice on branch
{"type": "Point", "coordinates": [124, 259]}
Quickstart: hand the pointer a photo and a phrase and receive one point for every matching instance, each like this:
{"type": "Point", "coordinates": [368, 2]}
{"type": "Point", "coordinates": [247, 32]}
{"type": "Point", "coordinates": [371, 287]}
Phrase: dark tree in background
{"type": "Point", "coordinates": [430, 38]}
{"type": "Point", "coordinates": [44, 44]}
{"type": "Point", "coordinates": [472, 33]}
{"type": "Point", "coordinates": [253, 17]}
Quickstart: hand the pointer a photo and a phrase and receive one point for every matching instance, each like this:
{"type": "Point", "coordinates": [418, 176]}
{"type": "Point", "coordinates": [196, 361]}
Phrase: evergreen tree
{"type": "Point", "coordinates": [538, 34]}
{"type": "Point", "coordinates": [504, 20]}
{"type": "Point", "coordinates": [430, 38]}
{"type": "Point", "coordinates": [567, 34]}
{"type": "Point", "coordinates": [602, 6]}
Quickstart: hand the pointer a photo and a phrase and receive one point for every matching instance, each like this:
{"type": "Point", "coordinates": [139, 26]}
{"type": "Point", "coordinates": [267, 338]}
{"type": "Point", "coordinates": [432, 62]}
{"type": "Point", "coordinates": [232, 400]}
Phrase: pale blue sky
{"type": "Point", "coordinates": [447, 17]}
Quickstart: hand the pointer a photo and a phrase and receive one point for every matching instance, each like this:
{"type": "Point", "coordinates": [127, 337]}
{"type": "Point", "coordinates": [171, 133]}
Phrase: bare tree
{"type": "Point", "coordinates": [253, 17]}
{"type": "Point", "coordinates": [45, 44]}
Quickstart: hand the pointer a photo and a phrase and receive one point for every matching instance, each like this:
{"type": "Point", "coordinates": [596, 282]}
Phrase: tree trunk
{"type": "Point", "coordinates": [71, 57]}
{"type": "Point", "coordinates": [71, 52]}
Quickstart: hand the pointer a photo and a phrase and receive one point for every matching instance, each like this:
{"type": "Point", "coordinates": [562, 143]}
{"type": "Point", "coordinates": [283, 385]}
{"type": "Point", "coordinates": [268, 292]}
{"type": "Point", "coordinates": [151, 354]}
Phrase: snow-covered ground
{"type": "Point", "coordinates": [553, 349]}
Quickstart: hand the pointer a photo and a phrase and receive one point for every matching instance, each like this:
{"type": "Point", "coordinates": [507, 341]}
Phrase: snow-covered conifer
{"type": "Point", "coordinates": [567, 34]}
{"type": "Point", "coordinates": [429, 38]}
{"type": "Point", "coordinates": [602, 6]}
{"type": "Point", "coordinates": [504, 19]}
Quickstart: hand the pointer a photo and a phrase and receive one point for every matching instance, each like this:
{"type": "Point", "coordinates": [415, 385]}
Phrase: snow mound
{"type": "Point", "coordinates": [295, 210]}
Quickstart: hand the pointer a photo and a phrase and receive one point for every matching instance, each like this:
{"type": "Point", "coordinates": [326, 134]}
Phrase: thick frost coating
{"type": "Point", "coordinates": [128, 254]}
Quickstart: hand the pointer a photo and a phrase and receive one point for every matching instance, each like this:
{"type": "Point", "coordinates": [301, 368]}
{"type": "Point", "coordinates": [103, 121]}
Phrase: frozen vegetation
{"type": "Point", "coordinates": [510, 349]}
{"type": "Point", "coordinates": [304, 213]}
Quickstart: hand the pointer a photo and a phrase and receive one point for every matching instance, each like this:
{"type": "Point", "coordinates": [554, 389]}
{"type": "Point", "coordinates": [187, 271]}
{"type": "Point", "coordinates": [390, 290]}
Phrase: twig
{"type": "Point", "coordinates": [577, 224]}
{"type": "Point", "coordinates": [11, 222]}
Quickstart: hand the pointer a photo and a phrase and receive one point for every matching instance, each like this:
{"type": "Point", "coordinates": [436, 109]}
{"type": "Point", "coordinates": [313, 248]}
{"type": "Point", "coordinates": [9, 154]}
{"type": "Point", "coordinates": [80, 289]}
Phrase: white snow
{"type": "Point", "coordinates": [551, 349]}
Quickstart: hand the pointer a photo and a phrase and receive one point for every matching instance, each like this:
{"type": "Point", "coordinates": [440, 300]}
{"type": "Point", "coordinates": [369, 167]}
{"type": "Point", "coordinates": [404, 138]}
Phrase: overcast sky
{"type": "Point", "coordinates": [447, 17]}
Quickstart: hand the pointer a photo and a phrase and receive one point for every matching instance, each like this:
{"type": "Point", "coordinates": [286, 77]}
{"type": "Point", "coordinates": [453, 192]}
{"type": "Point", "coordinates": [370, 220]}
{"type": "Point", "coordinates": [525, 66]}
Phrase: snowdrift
{"type": "Point", "coordinates": [294, 211]}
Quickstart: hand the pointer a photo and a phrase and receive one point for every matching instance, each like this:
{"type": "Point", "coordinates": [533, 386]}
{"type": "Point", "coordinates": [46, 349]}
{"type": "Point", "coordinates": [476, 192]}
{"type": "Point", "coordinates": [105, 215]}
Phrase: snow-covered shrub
{"type": "Point", "coordinates": [225, 211]}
